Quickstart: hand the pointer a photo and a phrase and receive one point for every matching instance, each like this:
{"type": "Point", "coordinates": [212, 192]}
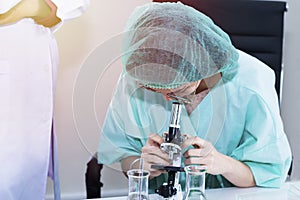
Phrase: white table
{"type": "Point", "coordinates": [289, 191]}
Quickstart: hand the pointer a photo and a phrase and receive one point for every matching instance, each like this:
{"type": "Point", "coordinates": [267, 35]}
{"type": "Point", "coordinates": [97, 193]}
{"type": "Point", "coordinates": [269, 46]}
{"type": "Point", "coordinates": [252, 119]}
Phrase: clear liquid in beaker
{"type": "Point", "coordinates": [137, 196]}
{"type": "Point", "coordinates": [195, 182]}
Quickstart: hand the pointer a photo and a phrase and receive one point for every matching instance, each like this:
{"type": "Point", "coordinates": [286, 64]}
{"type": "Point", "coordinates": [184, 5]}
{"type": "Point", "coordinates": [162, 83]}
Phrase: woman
{"type": "Point", "coordinates": [28, 65]}
{"type": "Point", "coordinates": [233, 122]}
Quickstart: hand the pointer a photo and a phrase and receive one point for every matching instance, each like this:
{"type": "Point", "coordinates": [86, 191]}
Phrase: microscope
{"type": "Point", "coordinates": [173, 139]}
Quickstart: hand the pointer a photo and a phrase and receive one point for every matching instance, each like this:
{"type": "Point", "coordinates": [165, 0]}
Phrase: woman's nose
{"type": "Point", "coordinates": [166, 97]}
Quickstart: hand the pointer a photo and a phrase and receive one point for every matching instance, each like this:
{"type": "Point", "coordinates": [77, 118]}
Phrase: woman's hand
{"type": "Point", "coordinates": [43, 12]}
{"type": "Point", "coordinates": [50, 19]}
{"type": "Point", "coordinates": [203, 153]}
{"type": "Point", "coordinates": [153, 155]}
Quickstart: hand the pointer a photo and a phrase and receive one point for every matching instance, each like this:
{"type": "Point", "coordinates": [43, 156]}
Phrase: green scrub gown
{"type": "Point", "coordinates": [240, 116]}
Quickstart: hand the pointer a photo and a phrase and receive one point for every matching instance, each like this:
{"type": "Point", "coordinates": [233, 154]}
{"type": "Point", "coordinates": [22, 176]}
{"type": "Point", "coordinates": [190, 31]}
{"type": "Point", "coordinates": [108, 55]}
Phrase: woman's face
{"type": "Point", "coordinates": [181, 91]}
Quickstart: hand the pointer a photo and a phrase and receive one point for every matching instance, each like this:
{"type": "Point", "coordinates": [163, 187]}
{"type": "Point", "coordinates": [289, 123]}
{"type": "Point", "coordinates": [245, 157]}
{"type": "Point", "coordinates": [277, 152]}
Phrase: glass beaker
{"type": "Point", "coordinates": [195, 182]}
{"type": "Point", "coordinates": [138, 184]}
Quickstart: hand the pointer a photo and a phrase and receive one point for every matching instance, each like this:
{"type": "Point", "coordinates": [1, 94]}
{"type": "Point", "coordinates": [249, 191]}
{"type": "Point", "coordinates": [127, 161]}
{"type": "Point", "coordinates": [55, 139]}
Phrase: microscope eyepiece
{"type": "Point", "coordinates": [174, 126]}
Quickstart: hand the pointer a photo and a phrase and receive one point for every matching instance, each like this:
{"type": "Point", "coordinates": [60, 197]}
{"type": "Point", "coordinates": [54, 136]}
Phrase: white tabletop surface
{"type": "Point", "coordinates": [289, 191]}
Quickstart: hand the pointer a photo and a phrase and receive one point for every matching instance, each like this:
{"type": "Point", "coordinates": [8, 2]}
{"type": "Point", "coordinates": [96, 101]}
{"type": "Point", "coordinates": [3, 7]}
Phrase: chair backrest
{"type": "Point", "coordinates": [254, 26]}
{"type": "Point", "coordinates": [93, 182]}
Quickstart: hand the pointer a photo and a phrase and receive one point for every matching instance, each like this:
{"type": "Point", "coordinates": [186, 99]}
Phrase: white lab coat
{"type": "Point", "coordinates": [28, 66]}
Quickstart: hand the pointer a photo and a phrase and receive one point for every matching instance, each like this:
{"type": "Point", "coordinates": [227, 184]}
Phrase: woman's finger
{"type": "Point", "coordinates": [154, 160]}
{"type": "Point", "coordinates": [192, 153]}
{"type": "Point", "coordinates": [154, 140]}
{"type": "Point", "coordinates": [197, 161]}
{"type": "Point", "coordinates": [195, 141]}
{"type": "Point", "coordinates": [154, 151]}
{"type": "Point", "coordinates": [203, 152]}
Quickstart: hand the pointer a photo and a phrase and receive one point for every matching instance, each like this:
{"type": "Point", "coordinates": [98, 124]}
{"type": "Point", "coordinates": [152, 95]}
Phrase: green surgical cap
{"type": "Point", "coordinates": [169, 44]}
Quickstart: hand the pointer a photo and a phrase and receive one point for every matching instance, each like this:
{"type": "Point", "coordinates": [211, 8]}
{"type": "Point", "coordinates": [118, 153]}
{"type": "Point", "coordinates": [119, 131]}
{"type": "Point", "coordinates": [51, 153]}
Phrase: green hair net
{"type": "Point", "coordinates": [169, 44]}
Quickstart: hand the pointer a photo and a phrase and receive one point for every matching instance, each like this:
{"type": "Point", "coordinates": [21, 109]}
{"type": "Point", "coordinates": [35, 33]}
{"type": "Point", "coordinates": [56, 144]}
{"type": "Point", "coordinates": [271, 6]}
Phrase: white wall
{"type": "Point", "coordinates": [290, 106]}
{"type": "Point", "coordinates": [101, 23]}
{"type": "Point", "coordinates": [99, 26]}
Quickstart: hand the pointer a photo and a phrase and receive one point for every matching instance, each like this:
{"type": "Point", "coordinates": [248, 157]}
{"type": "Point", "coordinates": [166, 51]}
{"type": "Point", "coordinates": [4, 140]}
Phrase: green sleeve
{"type": "Point", "coordinates": [264, 146]}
